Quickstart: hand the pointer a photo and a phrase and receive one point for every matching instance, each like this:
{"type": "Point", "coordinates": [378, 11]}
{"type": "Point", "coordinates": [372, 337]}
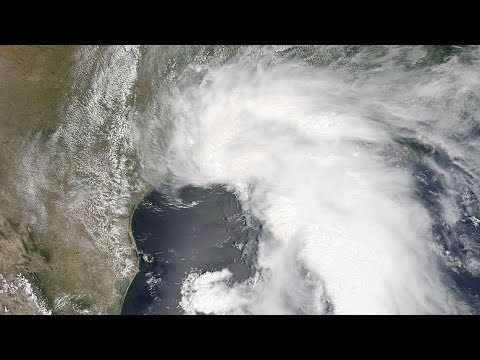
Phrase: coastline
{"type": "Point", "coordinates": [130, 234]}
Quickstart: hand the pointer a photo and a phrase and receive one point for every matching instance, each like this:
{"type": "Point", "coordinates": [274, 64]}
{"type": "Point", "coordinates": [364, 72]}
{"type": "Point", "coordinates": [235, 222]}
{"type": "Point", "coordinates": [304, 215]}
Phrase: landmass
{"type": "Point", "coordinates": [68, 180]}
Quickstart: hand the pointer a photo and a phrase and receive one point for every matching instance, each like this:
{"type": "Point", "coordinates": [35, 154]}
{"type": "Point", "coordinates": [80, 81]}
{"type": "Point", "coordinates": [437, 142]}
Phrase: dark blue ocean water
{"type": "Point", "coordinates": [202, 229]}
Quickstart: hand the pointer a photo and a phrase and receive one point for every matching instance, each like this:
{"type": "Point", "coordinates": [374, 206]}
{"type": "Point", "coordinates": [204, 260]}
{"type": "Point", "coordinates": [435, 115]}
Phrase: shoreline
{"type": "Point", "coordinates": [130, 234]}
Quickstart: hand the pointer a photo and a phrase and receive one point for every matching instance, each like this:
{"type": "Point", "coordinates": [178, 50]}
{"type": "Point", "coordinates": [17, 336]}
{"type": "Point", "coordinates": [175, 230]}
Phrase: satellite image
{"type": "Point", "coordinates": [239, 180]}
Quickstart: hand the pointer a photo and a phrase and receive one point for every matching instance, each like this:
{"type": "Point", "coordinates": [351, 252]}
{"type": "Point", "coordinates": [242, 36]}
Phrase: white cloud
{"type": "Point", "coordinates": [302, 148]}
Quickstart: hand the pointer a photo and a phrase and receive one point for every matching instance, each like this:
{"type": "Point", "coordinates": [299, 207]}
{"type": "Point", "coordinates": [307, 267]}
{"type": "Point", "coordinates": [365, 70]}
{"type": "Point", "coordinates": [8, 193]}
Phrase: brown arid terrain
{"type": "Point", "coordinates": [68, 179]}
